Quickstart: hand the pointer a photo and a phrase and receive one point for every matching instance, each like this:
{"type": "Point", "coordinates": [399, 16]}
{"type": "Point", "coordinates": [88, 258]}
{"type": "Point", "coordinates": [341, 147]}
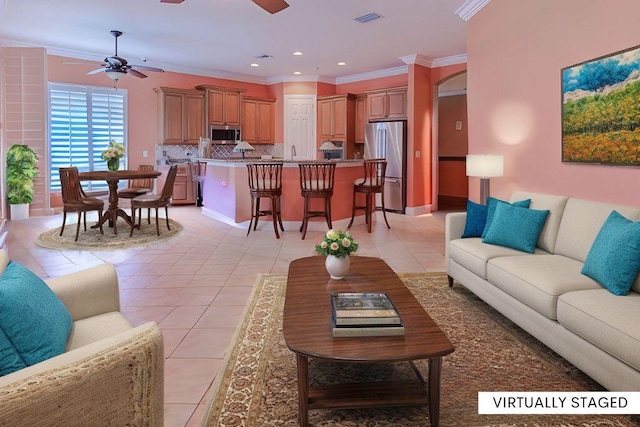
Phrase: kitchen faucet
{"type": "Point", "coordinates": [293, 152]}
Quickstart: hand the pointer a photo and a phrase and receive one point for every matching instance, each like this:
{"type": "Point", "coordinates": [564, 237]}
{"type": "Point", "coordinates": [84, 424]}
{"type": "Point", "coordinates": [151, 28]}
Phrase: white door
{"type": "Point", "coordinates": [300, 126]}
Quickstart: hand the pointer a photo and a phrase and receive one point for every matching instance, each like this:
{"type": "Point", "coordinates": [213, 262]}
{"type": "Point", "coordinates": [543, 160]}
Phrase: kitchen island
{"type": "Point", "coordinates": [226, 192]}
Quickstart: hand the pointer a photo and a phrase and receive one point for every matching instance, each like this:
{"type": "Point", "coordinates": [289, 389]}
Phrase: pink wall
{"type": "Point", "coordinates": [516, 50]}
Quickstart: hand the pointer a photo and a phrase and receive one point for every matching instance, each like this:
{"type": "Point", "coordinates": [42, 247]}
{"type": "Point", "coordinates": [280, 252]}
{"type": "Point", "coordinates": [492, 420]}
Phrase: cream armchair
{"type": "Point", "coordinates": [110, 374]}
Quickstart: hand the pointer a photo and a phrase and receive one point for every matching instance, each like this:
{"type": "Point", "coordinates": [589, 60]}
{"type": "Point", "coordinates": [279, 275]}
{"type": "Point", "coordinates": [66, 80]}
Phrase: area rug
{"type": "Point", "coordinates": [92, 240]}
{"type": "Point", "coordinates": [257, 386]}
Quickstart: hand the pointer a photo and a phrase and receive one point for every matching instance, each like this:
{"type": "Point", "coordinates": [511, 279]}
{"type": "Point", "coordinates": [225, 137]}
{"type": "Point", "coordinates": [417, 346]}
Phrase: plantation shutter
{"type": "Point", "coordinates": [83, 119]}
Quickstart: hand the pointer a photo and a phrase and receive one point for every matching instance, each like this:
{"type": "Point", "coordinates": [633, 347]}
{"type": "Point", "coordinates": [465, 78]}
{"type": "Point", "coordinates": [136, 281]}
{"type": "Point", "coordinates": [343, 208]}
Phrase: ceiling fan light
{"type": "Point", "coordinates": [115, 75]}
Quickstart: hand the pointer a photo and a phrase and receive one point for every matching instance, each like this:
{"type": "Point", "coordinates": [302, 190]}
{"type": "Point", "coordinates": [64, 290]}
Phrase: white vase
{"type": "Point", "coordinates": [337, 267]}
{"type": "Point", "coordinates": [19, 211]}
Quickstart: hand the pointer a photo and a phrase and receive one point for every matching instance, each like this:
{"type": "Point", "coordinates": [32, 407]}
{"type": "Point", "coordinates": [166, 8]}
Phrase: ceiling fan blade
{"type": "Point", "coordinates": [136, 73]}
{"type": "Point", "coordinates": [272, 6]}
{"type": "Point", "coordinates": [116, 61]}
{"type": "Point", "coordinates": [171, 1]}
{"type": "Point", "coordinates": [145, 68]}
{"type": "Point", "coordinates": [97, 70]}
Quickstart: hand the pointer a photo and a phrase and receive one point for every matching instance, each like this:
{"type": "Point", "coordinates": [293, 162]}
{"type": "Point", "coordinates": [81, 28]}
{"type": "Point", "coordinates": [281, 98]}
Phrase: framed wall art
{"type": "Point", "coordinates": [601, 110]}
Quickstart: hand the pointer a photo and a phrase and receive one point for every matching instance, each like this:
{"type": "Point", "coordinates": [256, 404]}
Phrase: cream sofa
{"type": "Point", "coordinates": [545, 293]}
{"type": "Point", "coordinates": [110, 374]}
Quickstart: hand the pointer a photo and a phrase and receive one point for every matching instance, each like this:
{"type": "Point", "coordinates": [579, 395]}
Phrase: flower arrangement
{"type": "Point", "coordinates": [337, 243]}
{"type": "Point", "coordinates": [114, 151]}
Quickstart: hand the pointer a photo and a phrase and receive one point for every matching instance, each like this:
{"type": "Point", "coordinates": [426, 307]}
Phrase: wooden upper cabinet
{"type": "Point", "coordinates": [258, 120]}
{"type": "Point", "coordinates": [336, 120]}
{"type": "Point", "coordinates": [387, 104]}
{"type": "Point", "coordinates": [361, 117]}
{"type": "Point", "coordinates": [223, 105]}
{"type": "Point", "coordinates": [180, 115]}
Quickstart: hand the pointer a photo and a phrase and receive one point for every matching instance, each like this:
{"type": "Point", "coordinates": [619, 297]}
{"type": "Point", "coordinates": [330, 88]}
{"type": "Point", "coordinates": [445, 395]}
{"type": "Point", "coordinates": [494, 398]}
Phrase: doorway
{"type": "Point", "coordinates": [299, 126]}
{"type": "Point", "coordinates": [451, 143]}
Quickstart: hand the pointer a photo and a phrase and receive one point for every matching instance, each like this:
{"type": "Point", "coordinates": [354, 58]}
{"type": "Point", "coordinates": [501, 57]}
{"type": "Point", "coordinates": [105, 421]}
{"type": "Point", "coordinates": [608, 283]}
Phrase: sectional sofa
{"type": "Point", "coordinates": [546, 292]}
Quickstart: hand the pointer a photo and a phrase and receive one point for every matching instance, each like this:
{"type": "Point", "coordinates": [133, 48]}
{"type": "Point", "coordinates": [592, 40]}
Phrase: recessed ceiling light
{"type": "Point", "coordinates": [297, 72]}
{"type": "Point", "coordinates": [255, 65]}
{"type": "Point", "coordinates": [298, 53]}
{"type": "Point", "coordinates": [342, 63]}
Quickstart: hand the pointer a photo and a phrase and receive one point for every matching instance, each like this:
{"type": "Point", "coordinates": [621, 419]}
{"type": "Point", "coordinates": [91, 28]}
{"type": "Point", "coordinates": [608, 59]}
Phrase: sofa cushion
{"type": "Point", "coordinates": [34, 321]}
{"type": "Point", "coordinates": [492, 203]}
{"type": "Point", "coordinates": [96, 328]}
{"type": "Point", "coordinates": [555, 205]}
{"type": "Point", "coordinates": [516, 227]}
{"type": "Point", "coordinates": [473, 254]}
{"type": "Point", "coordinates": [608, 321]}
{"type": "Point", "coordinates": [580, 224]}
{"type": "Point", "coordinates": [538, 280]}
{"type": "Point", "coordinates": [614, 257]}
{"type": "Point", "coordinates": [475, 221]}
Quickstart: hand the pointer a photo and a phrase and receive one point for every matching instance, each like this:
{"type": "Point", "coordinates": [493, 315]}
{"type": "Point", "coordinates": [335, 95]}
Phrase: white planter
{"type": "Point", "coordinates": [337, 267]}
{"type": "Point", "coordinates": [19, 212]}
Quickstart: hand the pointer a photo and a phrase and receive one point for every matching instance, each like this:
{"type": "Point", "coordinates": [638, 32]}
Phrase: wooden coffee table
{"type": "Point", "coordinates": [307, 331]}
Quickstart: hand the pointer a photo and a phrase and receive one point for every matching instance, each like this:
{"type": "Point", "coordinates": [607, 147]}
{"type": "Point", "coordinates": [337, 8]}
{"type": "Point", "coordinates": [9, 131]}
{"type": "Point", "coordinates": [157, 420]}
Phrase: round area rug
{"type": "Point", "coordinates": [92, 240]}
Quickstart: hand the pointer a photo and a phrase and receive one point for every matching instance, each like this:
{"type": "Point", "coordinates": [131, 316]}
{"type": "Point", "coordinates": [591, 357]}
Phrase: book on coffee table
{"type": "Point", "coordinates": [364, 314]}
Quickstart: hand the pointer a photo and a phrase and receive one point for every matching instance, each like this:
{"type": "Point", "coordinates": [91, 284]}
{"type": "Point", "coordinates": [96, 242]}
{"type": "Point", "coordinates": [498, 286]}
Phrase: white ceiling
{"type": "Point", "coordinates": [220, 37]}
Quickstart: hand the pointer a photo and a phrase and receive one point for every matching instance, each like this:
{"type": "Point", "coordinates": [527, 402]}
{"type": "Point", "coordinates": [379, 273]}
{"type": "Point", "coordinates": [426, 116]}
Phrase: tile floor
{"type": "Point", "coordinates": [195, 286]}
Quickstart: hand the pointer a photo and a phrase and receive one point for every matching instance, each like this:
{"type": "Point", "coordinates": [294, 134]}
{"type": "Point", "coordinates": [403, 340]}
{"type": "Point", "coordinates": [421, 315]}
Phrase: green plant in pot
{"type": "Point", "coordinates": [22, 168]}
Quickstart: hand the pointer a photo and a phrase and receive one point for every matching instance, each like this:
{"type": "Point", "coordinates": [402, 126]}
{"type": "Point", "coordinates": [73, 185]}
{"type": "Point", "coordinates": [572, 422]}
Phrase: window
{"type": "Point", "coordinates": [82, 121]}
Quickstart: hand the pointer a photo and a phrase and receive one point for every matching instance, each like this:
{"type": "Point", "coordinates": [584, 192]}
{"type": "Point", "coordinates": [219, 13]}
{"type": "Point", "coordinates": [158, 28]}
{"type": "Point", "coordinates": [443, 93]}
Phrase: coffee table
{"type": "Point", "coordinates": [307, 332]}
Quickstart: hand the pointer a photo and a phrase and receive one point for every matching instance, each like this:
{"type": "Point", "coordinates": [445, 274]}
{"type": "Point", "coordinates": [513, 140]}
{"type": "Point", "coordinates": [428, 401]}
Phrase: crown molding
{"type": "Point", "coordinates": [470, 8]}
{"type": "Point", "coordinates": [288, 79]}
{"type": "Point", "coordinates": [403, 69]}
{"type": "Point", "coordinates": [450, 60]}
{"type": "Point", "coordinates": [417, 59]}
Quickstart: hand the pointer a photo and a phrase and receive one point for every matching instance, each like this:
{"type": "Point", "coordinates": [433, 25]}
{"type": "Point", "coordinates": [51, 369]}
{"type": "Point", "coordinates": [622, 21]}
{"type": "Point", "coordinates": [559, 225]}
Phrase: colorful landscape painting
{"type": "Point", "coordinates": [601, 110]}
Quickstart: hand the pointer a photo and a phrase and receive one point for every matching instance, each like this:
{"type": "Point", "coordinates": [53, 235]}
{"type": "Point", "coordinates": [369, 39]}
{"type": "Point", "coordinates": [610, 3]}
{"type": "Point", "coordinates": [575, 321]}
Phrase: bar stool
{"type": "Point", "coordinates": [198, 172]}
{"type": "Point", "coordinates": [316, 181]}
{"type": "Point", "coordinates": [372, 183]}
{"type": "Point", "coordinates": [265, 180]}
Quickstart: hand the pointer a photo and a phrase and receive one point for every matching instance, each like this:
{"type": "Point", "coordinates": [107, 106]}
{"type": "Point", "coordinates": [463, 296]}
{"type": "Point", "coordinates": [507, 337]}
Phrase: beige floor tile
{"type": "Point", "coordinates": [204, 343]}
{"type": "Point", "coordinates": [187, 380]}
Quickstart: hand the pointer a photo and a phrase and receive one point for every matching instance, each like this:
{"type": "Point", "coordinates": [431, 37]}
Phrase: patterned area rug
{"type": "Point", "coordinates": [258, 385]}
{"type": "Point", "coordinates": [92, 240]}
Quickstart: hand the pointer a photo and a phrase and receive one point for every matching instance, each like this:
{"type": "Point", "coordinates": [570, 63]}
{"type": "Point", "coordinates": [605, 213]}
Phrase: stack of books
{"type": "Point", "coordinates": [364, 315]}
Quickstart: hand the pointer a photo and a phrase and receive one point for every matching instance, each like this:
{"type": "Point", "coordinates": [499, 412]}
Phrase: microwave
{"type": "Point", "coordinates": [221, 134]}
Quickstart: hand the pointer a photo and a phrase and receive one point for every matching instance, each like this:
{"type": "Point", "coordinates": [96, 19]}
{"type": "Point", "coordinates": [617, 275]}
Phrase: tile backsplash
{"type": "Point", "coordinates": [166, 152]}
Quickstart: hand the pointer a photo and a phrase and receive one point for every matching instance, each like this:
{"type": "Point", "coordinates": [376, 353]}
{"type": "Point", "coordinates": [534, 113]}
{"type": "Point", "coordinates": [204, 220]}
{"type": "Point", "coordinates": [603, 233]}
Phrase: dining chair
{"type": "Point", "coordinates": [371, 184]}
{"type": "Point", "coordinates": [198, 172]}
{"type": "Point", "coordinates": [139, 186]}
{"type": "Point", "coordinates": [316, 181]}
{"type": "Point", "coordinates": [74, 199]}
{"type": "Point", "coordinates": [265, 181]}
{"type": "Point", "coordinates": [149, 201]}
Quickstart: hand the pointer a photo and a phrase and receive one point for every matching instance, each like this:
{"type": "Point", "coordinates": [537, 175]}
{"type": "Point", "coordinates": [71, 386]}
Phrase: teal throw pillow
{"type": "Point", "coordinates": [614, 258]}
{"type": "Point", "coordinates": [34, 323]}
{"type": "Point", "coordinates": [476, 219]}
{"type": "Point", "coordinates": [492, 203]}
{"type": "Point", "coordinates": [516, 227]}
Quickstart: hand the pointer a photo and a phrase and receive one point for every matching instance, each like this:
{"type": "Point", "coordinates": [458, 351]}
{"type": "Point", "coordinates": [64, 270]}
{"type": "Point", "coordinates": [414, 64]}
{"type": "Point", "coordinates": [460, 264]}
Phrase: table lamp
{"type": "Point", "coordinates": [241, 147]}
{"type": "Point", "coordinates": [328, 147]}
{"type": "Point", "coordinates": [484, 166]}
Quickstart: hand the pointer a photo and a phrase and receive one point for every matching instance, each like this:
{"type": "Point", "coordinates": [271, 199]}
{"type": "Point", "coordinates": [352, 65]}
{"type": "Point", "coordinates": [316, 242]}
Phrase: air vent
{"type": "Point", "coordinates": [368, 17]}
{"type": "Point", "coordinates": [262, 56]}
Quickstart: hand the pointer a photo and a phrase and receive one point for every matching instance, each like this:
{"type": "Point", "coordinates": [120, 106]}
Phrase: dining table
{"type": "Point", "coordinates": [113, 178]}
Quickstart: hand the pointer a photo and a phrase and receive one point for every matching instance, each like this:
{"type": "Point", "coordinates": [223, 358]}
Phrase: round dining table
{"type": "Point", "coordinates": [113, 178]}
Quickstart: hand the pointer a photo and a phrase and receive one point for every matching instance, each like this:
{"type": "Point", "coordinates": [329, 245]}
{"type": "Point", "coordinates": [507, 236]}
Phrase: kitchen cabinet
{"type": "Point", "coordinates": [180, 115]}
{"type": "Point", "coordinates": [183, 186]}
{"type": "Point", "coordinates": [258, 120]}
{"type": "Point", "coordinates": [337, 121]}
{"type": "Point", "coordinates": [387, 104]}
{"type": "Point", "coordinates": [222, 105]}
{"type": "Point", "coordinates": [361, 117]}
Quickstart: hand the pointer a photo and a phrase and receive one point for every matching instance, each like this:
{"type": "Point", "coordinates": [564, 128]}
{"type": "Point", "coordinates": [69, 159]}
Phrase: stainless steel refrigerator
{"type": "Point", "coordinates": [388, 140]}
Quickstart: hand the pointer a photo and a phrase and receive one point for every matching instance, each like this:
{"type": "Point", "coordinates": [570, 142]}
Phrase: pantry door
{"type": "Point", "coordinates": [300, 126]}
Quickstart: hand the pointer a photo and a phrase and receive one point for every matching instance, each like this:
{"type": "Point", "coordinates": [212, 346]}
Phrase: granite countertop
{"type": "Point", "coordinates": [278, 160]}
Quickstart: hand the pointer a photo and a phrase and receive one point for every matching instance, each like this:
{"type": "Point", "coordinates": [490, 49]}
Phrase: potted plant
{"type": "Point", "coordinates": [22, 168]}
{"type": "Point", "coordinates": [337, 245]}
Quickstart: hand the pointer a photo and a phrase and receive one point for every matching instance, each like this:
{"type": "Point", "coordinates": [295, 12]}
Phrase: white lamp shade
{"type": "Point", "coordinates": [328, 146]}
{"type": "Point", "coordinates": [242, 146]}
{"type": "Point", "coordinates": [115, 75]}
{"type": "Point", "coordinates": [485, 165]}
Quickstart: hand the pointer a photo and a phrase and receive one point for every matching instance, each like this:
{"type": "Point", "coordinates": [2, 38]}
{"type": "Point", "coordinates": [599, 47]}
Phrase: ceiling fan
{"type": "Point", "coordinates": [271, 6]}
{"type": "Point", "coordinates": [116, 67]}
